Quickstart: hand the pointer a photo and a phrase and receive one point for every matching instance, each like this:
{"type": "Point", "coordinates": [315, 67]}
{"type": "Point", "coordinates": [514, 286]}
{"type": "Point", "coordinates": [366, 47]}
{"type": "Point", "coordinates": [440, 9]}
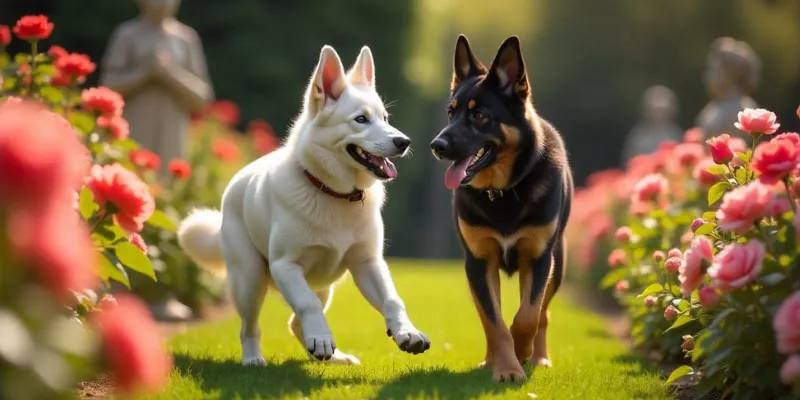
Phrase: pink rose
{"type": "Point", "coordinates": [650, 188]}
{"type": "Point", "coordinates": [720, 148]}
{"type": "Point", "coordinates": [757, 120]}
{"type": "Point", "coordinates": [777, 207]}
{"type": "Point", "coordinates": [673, 264]}
{"type": "Point", "coordinates": [674, 253]}
{"type": "Point", "coordinates": [701, 174]}
{"type": "Point", "coordinates": [658, 256]}
{"type": "Point", "coordinates": [742, 206]}
{"type": "Point", "coordinates": [616, 258]}
{"type": "Point", "coordinates": [669, 313]}
{"type": "Point", "coordinates": [790, 370]}
{"type": "Point", "coordinates": [787, 324]}
{"type": "Point", "coordinates": [622, 286]}
{"type": "Point", "coordinates": [649, 301]}
{"type": "Point", "coordinates": [690, 273]}
{"type": "Point", "coordinates": [623, 234]}
{"type": "Point", "coordinates": [708, 297]}
{"type": "Point", "coordinates": [776, 159]}
{"type": "Point", "coordinates": [737, 264]}
{"type": "Point", "coordinates": [694, 135]}
{"type": "Point", "coordinates": [685, 155]}
{"type": "Point", "coordinates": [697, 223]}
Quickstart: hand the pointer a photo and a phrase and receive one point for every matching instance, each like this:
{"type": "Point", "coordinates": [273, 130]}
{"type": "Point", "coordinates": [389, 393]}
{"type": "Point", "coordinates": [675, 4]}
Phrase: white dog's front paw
{"type": "Point", "coordinates": [320, 346]}
{"type": "Point", "coordinates": [411, 340]}
{"type": "Point", "coordinates": [257, 361]}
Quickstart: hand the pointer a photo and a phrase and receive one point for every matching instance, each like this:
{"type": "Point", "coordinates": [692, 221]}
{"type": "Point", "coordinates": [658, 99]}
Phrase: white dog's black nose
{"type": "Point", "coordinates": [402, 143]}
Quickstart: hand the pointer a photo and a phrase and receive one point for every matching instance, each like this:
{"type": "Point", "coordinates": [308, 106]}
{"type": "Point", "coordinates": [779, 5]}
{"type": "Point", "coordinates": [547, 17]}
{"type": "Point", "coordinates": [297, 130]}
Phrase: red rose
{"type": "Point", "coordinates": [56, 52]}
{"type": "Point", "coordinates": [138, 241]}
{"type": "Point", "coordinates": [41, 157]}
{"type": "Point", "coordinates": [33, 27]}
{"type": "Point", "coordinates": [224, 111]}
{"type": "Point", "coordinates": [102, 100]}
{"type": "Point", "coordinates": [145, 159]}
{"type": "Point", "coordinates": [776, 159]}
{"type": "Point", "coordinates": [701, 174]}
{"type": "Point", "coordinates": [180, 168]}
{"type": "Point", "coordinates": [616, 258]}
{"type": "Point", "coordinates": [132, 345]}
{"type": "Point", "coordinates": [264, 140]}
{"type": "Point", "coordinates": [118, 126]}
{"type": "Point", "coordinates": [720, 148]}
{"type": "Point", "coordinates": [225, 150]}
{"type": "Point", "coordinates": [685, 155]}
{"type": "Point", "coordinates": [5, 35]}
{"type": "Point", "coordinates": [75, 66]}
{"type": "Point", "coordinates": [130, 196]}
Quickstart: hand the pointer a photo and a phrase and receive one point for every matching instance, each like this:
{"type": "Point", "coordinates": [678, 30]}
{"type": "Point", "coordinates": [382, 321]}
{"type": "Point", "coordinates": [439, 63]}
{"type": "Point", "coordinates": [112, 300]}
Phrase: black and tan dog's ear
{"type": "Point", "coordinates": [508, 69]}
{"type": "Point", "coordinates": [465, 65]}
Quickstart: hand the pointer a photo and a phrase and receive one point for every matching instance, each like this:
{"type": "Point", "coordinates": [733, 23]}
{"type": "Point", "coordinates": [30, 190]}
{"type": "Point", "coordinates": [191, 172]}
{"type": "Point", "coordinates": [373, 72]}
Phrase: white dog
{"type": "Point", "coordinates": [300, 217]}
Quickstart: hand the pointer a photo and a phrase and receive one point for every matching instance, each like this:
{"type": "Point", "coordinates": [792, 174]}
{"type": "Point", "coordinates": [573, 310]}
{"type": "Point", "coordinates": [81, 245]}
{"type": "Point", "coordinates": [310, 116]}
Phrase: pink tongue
{"type": "Point", "coordinates": [455, 174]}
{"type": "Point", "coordinates": [385, 165]}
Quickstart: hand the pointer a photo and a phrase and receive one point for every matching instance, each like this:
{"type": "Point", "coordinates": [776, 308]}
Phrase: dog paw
{"type": "Point", "coordinates": [412, 341]}
{"type": "Point", "coordinates": [543, 362]}
{"type": "Point", "coordinates": [503, 375]}
{"type": "Point", "coordinates": [320, 347]}
{"type": "Point", "coordinates": [254, 361]}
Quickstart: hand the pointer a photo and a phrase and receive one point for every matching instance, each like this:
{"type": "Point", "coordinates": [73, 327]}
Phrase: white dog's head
{"type": "Point", "coordinates": [346, 128]}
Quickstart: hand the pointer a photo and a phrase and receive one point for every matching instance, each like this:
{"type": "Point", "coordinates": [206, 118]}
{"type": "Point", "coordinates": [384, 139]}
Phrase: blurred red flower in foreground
{"type": "Point", "coordinates": [5, 35]}
{"type": "Point", "coordinates": [132, 202]}
{"type": "Point", "coordinates": [132, 345]}
{"type": "Point", "coordinates": [225, 149]}
{"type": "Point", "coordinates": [33, 27]}
{"type": "Point", "coordinates": [41, 157]}
{"type": "Point", "coordinates": [102, 100]}
{"type": "Point", "coordinates": [145, 159]}
{"type": "Point", "coordinates": [56, 51]}
{"type": "Point", "coordinates": [41, 163]}
{"type": "Point", "coordinates": [180, 168]}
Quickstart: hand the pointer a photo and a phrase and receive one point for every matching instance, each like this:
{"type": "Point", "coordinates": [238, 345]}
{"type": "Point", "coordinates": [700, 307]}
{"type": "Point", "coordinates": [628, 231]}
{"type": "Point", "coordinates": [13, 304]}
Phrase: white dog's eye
{"type": "Point", "coordinates": [361, 119]}
{"type": "Point", "coordinates": [386, 118]}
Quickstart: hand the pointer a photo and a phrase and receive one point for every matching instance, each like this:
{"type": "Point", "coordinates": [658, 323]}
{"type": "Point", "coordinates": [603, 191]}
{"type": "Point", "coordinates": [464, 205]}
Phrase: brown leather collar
{"type": "Point", "coordinates": [355, 195]}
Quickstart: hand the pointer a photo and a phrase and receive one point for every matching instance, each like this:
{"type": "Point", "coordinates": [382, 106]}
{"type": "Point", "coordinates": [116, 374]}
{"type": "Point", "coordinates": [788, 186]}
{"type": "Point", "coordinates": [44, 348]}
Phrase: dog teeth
{"type": "Point", "coordinates": [361, 153]}
{"type": "Point", "coordinates": [479, 155]}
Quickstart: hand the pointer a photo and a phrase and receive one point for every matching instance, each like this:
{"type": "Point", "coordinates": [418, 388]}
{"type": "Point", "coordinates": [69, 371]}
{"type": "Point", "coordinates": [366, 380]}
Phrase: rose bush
{"type": "Point", "coordinates": [71, 214]}
{"type": "Point", "coordinates": [725, 300]}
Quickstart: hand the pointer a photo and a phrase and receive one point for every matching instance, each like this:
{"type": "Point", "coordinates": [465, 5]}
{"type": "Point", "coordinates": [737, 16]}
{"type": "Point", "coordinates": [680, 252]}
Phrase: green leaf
{"type": "Point", "coordinates": [741, 176]}
{"type": "Point", "coordinates": [5, 60]}
{"type": "Point", "coordinates": [682, 320]}
{"type": "Point", "coordinates": [705, 229]}
{"type": "Point", "coordinates": [653, 288]}
{"type": "Point", "coordinates": [133, 258]}
{"type": "Point", "coordinates": [745, 156]}
{"type": "Point", "coordinates": [112, 270]}
{"type": "Point", "coordinates": [717, 169]}
{"type": "Point", "coordinates": [86, 202]}
{"type": "Point", "coordinates": [679, 372]}
{"type": "Point", "coordinates": [52, 95]}
{"type": "Point", "coordinates": [163, 221]}
{"type": "Point", "coordinates": [710, 215]}
{"type": "Point", "coordinates": [22, 58]}
{"type": "Point", "coordinates": [612, 277]}
{"type": "Point", "coordinates": [126, 144]}
{"type": "Point", "coordinates": [83, 122]}
{"type": "Point", "coordinates": [717, 191]}
{"type": "Point", "coordinates": [109, 233]}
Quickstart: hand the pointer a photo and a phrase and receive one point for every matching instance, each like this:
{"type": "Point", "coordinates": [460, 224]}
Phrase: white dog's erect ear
{"type": "Point", "coordinates": [329, 81]}
{"type": "Point", "coordinates": [363, 71]}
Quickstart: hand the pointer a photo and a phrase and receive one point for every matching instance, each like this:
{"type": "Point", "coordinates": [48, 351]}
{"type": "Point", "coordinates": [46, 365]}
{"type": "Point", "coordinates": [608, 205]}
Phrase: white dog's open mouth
{"type": "Point", "coordinates": [381, 167]}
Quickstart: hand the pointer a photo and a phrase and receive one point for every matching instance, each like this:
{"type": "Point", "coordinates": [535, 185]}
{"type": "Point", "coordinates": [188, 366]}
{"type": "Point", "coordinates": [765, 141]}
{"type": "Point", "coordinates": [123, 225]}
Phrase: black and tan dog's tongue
{"type": "Point", "coordinates": [456, 173]}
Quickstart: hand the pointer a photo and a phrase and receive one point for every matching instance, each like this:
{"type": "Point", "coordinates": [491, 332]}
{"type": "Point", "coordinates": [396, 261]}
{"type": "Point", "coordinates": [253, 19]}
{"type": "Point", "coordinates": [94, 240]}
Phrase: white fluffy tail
{"type": "Point", "coordinates": [198, 236]}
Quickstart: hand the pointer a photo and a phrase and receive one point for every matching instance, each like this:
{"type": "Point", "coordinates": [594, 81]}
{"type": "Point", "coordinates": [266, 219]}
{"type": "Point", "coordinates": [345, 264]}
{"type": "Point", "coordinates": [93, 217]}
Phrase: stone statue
{"type": "Point", "coordinates": [158, 65]}
{"type": "Point", "coordinates": [656, 125]}
{"type": "Point", "coordinates": [733, 71]}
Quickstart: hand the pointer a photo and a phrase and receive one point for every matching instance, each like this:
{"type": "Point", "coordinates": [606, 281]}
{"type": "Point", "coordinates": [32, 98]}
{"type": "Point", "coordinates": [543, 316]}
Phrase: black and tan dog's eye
{"type": "Point", "coordinates": [450, 112]}
{"type": "Point", "coordinates": [479, 116]}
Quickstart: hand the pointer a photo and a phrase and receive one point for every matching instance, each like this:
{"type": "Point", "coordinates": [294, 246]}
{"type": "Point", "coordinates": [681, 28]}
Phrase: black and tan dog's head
{"type": "Point", "coordinates": [490, 136]}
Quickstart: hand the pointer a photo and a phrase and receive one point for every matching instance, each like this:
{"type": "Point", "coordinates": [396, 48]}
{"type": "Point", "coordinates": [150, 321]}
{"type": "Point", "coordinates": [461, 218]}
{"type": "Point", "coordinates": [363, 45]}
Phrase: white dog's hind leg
{"type": "Point", "coordinates": [291, 281]}
{"type": "Point", "coordinates": [248, 283]}
{"type": "Point", "coordinates": [325, 296]}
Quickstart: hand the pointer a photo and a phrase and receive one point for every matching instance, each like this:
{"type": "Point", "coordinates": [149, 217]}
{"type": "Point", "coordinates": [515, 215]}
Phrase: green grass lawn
{"type": "Point", "coordinates": [588, 362]}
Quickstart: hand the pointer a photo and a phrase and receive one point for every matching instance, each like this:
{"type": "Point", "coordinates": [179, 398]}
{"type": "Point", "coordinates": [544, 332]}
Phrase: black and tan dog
{"type": "Point", "coordinates": [513, 189]}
